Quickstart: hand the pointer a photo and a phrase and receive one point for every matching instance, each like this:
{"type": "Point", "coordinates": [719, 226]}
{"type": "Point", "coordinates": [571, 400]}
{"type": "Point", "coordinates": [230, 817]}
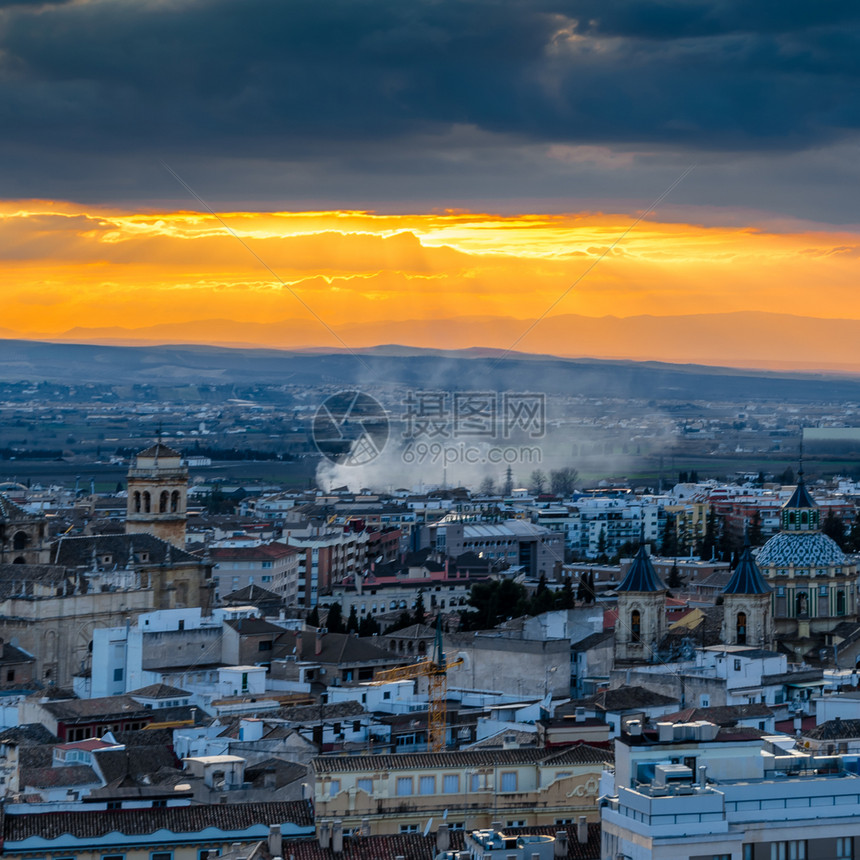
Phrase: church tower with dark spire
{"type": "Point", "coordinates": [641, 623]}
{"type": "Point", "coordinates": [747, 614]}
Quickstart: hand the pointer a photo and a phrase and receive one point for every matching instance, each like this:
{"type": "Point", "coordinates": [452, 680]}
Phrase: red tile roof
{"type": "Point", "coordinates": [177, 819]}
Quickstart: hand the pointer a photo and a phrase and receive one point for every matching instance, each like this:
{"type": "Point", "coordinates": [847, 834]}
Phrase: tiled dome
{"type": "Point", "coordinates": [801, 549]}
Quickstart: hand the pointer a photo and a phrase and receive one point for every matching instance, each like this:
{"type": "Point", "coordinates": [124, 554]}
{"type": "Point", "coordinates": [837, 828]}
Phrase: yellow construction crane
{"type": "Point", "coordinates": [435, 670]}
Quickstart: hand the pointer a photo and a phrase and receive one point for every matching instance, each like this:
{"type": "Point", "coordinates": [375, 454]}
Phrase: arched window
{"type": "Point", "coordinates": [137, 501]}
{"type": "Point", "coordinates": [174, 501]}
{"type": "Point", "coordinates": [20, 540]}
{"type": "Point", "coordinates": [163, 501]}
{"type": "Point", "coordinates": [741, 628]}
{"type": "Point", "coordinates": [800, 603]}
{"type": "Point", "coordinates": [147, 503]}
{"type": "Point", "coordinates": [635, 626]}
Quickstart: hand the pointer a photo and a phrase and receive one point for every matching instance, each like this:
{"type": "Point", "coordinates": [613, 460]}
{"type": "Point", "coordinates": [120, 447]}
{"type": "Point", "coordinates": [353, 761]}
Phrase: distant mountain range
{"type": "Point", "coordinates": [743, 339]}
{"type": "Point", "coordinates": [174, 366]}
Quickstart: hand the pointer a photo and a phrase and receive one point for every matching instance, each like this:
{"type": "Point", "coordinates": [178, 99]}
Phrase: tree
{"type": "Point", "coordinates": [673, 580]}
{"type": "Point", "coordinates": [403, 620]}
{"type": "Point", "coordinates": [488, 486]}
{"type": "Point", "coordinates": [369, 626]}
{"type": "Point", "coordinates": [493, 601]}
{"type": "Point", "coordinates": [352, 621]}
{"type": "Point", "coordinates": [852, 542]}
{"type": "Point", "coordinates": [566, 598]}
{"type": "Point", "coordinates": [420, 611]}
{"type": "Point", "coordinates": [334, 622]}
{"type": "Point", "coordinates": [602, 558]}
{"type": "Point", "coordinates": [537, 482]}
{"type": "Point", "coordinates": [682, 477]}
{"type": "Point", "coordinates": [694, 477]}
{"type": "Point", "coordinates": [787, 477]}
{"type": "Point", "coordinates": [834, 528]}
{"type": "Point", "coordinates": [669, 543]}
{"type": "Point", "coordinates": [754, 534]}
{"type": "Point", "coordinates": [709, 542]}
{"type": "Point", "coordinates": [313, 619]}
{"type": "Point", "coordinates": [563, 481]}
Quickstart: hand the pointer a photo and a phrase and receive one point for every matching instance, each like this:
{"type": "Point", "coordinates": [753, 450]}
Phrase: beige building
{"type": "Point", "coordinates": [517, 787]}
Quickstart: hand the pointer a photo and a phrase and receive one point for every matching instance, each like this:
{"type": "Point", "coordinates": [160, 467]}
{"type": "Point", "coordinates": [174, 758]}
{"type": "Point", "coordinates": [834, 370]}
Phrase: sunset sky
{"type": "Point", "coordinates": [375, 161]}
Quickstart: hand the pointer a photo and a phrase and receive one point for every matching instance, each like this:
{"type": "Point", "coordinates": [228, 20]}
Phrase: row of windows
{"type": "Point", "coordinates": [143, 502]}
{"type": "Point", "coordinates": [406, 786]}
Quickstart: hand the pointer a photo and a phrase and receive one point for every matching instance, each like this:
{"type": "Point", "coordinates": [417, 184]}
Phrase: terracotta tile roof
{"type": "Point", "coordinates": [833, 730]}
{"type": "Point", "coordinates": [177, 819]}
{"type": "Point", "coordinates": [91, 710]}
{"type": "Point", "coordinates": [159, 691]}
{"type": "Point", "coordinates": [58, 777]}
{"type": "Point", "coordinates": [251, 553]}
{"type": "Point", "coordinates": [416, 846]}
{"type": "Point", "coordinates": [572, 755]}
{"type": "Point", "coordinates": [78, 551]}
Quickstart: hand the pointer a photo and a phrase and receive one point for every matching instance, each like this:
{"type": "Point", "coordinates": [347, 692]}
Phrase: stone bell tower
{"type": "Point", "coordinates": [641, 621]}
{"type": "Point", "coordinates": [158, 495]}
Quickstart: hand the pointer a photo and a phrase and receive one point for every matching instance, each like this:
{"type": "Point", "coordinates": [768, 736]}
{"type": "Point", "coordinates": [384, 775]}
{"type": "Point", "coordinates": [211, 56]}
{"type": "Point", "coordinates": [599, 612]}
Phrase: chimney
{"type": "Point", "coordinates": [337, 836]}
{"type": "Point", "coordinates": [365, 827]}
{"type": "Point", "coordinates": [582, 830]}
{"type": "Point", "coordinates": [325, 835]}
{"type": "Point", "coordinates": [275, 840]}
{"type": "Point", "coordinates": [443, 838]}
{"type": "Point", "coordinates": [703, 780]}
{"type": "Point", "coordinates": [318, 643]}
{"type": "Point", "coordinates": [666, 732]}
{"type": "Point", "coordinates": [559, 848]}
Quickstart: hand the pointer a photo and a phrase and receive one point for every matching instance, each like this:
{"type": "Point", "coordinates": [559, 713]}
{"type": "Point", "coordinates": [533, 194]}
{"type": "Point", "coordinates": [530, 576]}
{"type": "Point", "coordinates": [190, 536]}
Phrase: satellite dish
{"type": "Point", "coordinates": [428, 825]}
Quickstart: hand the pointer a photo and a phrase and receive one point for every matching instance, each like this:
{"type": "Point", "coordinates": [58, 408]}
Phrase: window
{"type": "Point", "coordinates": [10, 676]}
{"type": "Point", "coordinates": [741, 634]}
{"type": "Point", "coordinates": [113, 804]}
{"type": "Point", "coordinates": [748, 851]}
{"type": "Point", "coordinates": [427, 785]}
{"type": "Point", "coordinates": [117, 674]}
{"type": "Point", "coordinates": [333, 787]}
{"type": "Point", "coordinates": [509, 780]}
{"type": "Point", "coordinates": [515, 822]}
{"type": "Point", "coordinates": [265, 645]}
{"type": "Point", "coordinates": [408, 828]}
{"type": "Point", "coordinates": [113, 856]}
{"type": "Point", "coordinates": [737, 663]}
{"type": "Point", "coordinates": [635, 626]}
{"type": "Point", "coordinates": [451, 783]}
{"type": "Point", "coordinates": [844, 847]}
{"type": "Point", "coordinates": [794, 850]}
{"type": "Point", "coordinates": [203, 853]}
{"type": "Point", "coordinates": [365, 785]}
{"type": "Point", "coordinates": [161, 855]}
{"type": "Point", "coordinates": [159, 804]}
{"type": "Point", "coordinates": [404, 787]}
{"type": "Point", "coordinates": [475, 783]}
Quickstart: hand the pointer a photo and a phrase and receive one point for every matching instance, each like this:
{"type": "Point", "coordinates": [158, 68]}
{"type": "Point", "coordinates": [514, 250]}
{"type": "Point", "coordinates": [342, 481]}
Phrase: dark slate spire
{"type": "Point", "coordinates": [641, 576]}
{"type": "Point", "coordinates": [747, 578]}
{"type": "Point", "coordinates": [800, 498]}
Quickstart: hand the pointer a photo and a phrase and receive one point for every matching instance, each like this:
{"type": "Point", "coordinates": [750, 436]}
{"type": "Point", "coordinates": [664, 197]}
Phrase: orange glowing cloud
{"type": "Point", "coordinates": [66, 266]}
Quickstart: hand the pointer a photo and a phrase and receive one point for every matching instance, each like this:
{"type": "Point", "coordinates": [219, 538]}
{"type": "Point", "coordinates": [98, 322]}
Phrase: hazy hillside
{"type": "Point", "coordinates": [171, 365]}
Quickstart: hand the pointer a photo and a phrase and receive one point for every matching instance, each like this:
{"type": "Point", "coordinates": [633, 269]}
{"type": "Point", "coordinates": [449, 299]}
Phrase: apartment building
{"type": "Point", "coordinates": [695, 790]}
{"type": "Point", "coordinates": [516, 786]}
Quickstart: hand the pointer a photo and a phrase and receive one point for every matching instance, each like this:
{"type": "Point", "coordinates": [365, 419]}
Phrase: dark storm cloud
{"type": "Point", "coordinates": [307, 81]}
